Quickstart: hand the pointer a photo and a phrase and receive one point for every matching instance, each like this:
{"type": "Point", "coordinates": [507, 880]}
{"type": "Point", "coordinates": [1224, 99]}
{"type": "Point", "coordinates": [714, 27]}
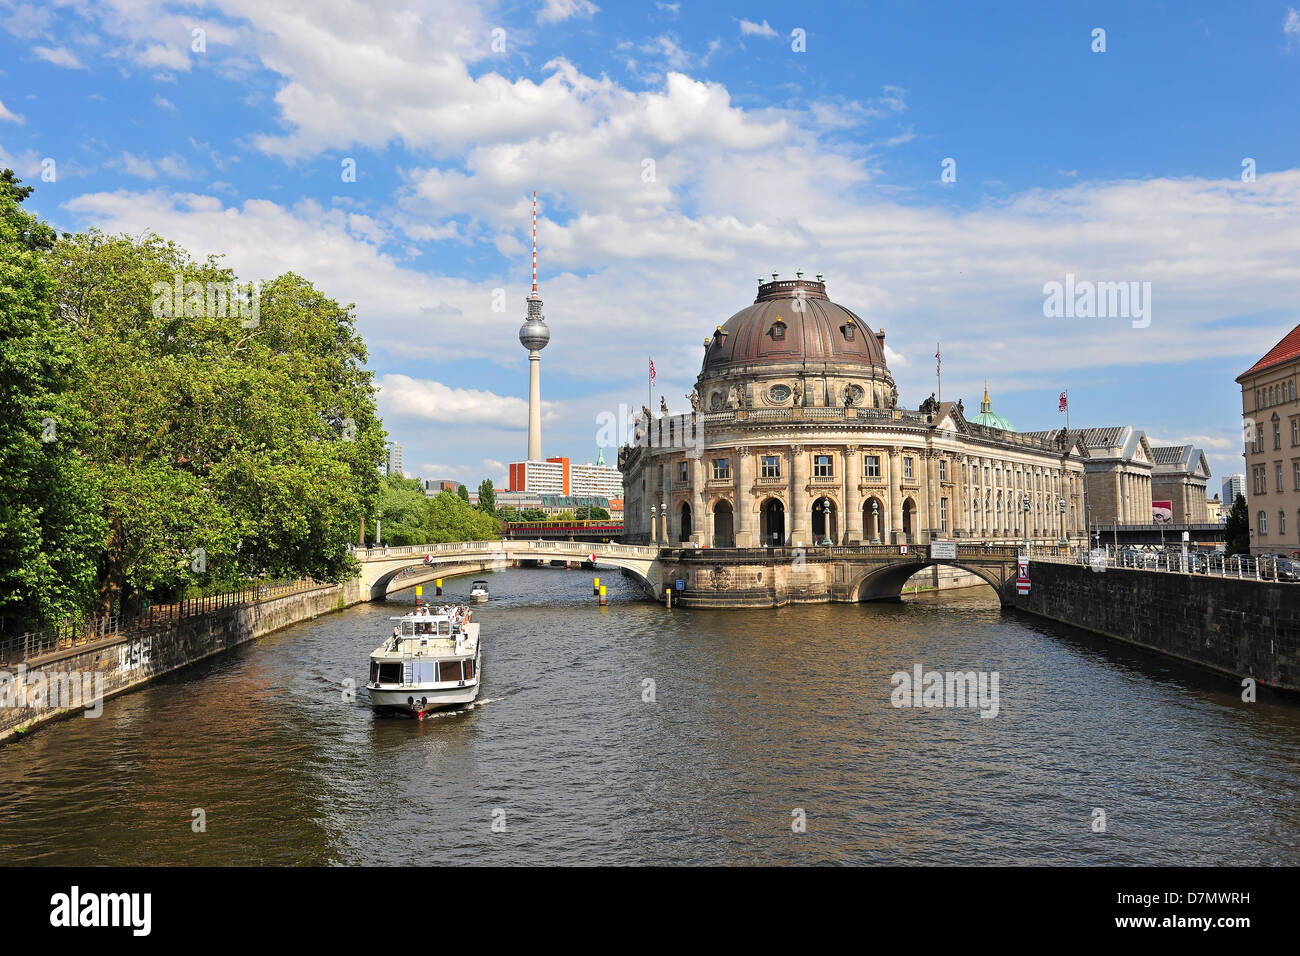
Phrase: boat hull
{"type": "Point", "coordinates": [417, 699]}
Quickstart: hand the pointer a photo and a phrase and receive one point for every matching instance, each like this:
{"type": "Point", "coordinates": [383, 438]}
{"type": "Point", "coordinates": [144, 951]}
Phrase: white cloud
{"type": "Point", "coordinates": [163, 103]}
{"type": "Point", "coordinates": [9, 115]}
{"type": "Point", "coordinates": [750, 28]}
{"type": "Point", "coordinates": [427, 400]}
{"type": "Point", "coordinates": [553, 11]}
{"type": "Point", "coordinates": [1291, 27]}
{"type": "Point", "coordinates": [59, 56]}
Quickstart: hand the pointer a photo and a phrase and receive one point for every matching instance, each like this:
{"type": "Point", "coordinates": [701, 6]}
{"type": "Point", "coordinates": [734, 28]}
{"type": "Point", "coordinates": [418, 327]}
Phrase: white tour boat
{"type": "Point", "coordinates": [432, 660]}
{"type": "Point", "coordinates": [478, 592]}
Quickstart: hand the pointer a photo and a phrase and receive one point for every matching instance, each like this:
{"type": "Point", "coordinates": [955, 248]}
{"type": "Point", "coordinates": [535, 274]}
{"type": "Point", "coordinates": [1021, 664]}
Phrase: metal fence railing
{"type": "Point", "coordinates": [1244, 567]}
{"type": "Point", "coordinates": [19, 647]}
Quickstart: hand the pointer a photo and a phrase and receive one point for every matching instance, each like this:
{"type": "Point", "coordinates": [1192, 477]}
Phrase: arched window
{"type": "Point", "coordinates": [1281, 522]}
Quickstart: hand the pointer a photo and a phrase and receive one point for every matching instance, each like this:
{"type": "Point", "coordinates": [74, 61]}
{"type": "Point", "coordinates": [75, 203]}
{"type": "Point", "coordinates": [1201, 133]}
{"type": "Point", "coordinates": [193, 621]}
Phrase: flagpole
{"type": "Point", "coordinates": [938, 373]}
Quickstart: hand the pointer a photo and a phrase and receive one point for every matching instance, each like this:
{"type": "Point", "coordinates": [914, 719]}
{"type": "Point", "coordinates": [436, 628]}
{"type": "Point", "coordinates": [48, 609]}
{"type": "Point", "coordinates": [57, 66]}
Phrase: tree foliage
{"type": "Point", "coordinates": [1236, 530]}
{"type": "Point", "coordinates": [50, 522]}
{"type": "Point", "coordinates": [449, 518]}
{"type": "Point", "coordinates": [403, 506]}
{"type": "Point", "coordinates": [487, 496]}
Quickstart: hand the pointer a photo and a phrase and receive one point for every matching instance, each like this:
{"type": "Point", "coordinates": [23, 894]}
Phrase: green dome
{"type": "Point", "coordinates": [989, 417]}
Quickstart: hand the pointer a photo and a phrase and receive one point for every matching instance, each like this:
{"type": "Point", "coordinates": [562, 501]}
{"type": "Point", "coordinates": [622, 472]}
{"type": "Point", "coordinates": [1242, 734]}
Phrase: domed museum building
{"type": "Point", "coordinates": [798, 438]}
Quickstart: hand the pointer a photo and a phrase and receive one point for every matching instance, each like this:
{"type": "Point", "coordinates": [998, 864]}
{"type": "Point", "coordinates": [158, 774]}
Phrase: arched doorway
{"type": "Point", "coordinates": [772, 523]}
{"type": "Point", "coordinates": [723, 527]}
{"type": "Point", "coordinates": [873, 521]}
{"type": "Point", "coordinates": [909, 519]}
{"type": "Point", "coordinates": [685, 523]}
{"type": "Point", "coordinates": [825, 526]}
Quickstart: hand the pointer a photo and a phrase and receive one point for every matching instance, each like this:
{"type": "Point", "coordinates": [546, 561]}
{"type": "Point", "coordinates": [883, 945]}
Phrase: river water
{"type": "Point", "coordinates": [630, 734]}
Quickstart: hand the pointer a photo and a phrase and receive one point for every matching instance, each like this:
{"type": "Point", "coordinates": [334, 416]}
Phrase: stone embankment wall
{"type": "Point", "coordinates": [1241, 627]}
{"type": "Point", "coordinates": [56, 684]}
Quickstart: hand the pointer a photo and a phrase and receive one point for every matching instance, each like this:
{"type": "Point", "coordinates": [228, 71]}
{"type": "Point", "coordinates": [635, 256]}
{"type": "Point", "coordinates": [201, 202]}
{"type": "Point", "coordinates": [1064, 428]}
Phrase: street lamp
{"type": "Point", "coordinates": [1024, 503]}
{"type": "Point", "coordinates": [1061, 507]}
{"type": "Point", "coordinates": [654, 524]}
{"type": "Point", "coordinates": [875, 521]}
{"type": "Point", "coordinates": [826, 519]}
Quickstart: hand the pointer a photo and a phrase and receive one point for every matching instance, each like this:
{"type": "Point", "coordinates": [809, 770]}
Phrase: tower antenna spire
{"type": "Point", "coordinates": [534, 243]}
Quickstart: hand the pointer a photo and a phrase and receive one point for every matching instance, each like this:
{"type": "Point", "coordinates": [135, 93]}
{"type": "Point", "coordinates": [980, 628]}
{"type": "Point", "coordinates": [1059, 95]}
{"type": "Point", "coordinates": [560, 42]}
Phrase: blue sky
{"type": "Point", "coordinates": [1122, 165]}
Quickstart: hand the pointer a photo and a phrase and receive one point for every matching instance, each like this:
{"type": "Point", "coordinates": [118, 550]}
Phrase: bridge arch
{"type": "Point", "coordinates": [380, 567]}
{"type": "Point", "coordinates": [886, 583]}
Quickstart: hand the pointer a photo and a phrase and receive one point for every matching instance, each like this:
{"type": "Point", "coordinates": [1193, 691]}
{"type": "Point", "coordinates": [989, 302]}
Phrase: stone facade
{"type": "Point", "coordinates": [1271, 410]}
{"type": "Point", "coordinates": [797, 438]}
{"type": "Point", "coordinates": [1179, 476]}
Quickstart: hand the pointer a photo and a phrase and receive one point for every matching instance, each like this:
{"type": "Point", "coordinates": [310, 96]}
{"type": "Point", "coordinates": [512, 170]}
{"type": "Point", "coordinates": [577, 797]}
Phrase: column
{"type": "Point", "coordinates": [887, 473]}
{"type": "Point", "coordinates": [745, 517]}
{"type": "Point", "coordinates": [852, 495]}
{"type": "Point", "coordinates": [699, 530]}
{"type": "Point", "coordinates": [800, 517]}
{"type": "Point", "coordinates": [896, 493]}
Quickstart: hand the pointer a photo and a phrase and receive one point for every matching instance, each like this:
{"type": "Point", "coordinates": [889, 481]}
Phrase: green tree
{"type": "Point", "coordinates": [508, 513]}
{"type": "Point", "coordinates": [50, 523]}
{"type": "Point", "coordinates": [225, 445]}
{"type": "Point", "coordinates": [403, 506]}
{"type": "Point", "coordinates": [463, 493]}
{"type": "Point", "coordinates": [449, 518]}
{"type": "Point", "coordinates": [487, 496]}
{"type": "Point", "coordinates": [1236, 530]}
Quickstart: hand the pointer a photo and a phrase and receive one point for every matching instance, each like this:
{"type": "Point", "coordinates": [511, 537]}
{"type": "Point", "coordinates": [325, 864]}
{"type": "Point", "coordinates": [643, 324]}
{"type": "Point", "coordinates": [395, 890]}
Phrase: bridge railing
{"type": "Point", "coordinates": [1240, 566]}
{"type": "Point", "coordinates": [913, 552]}
{"type": "Point", "coordinates": [512, 546]}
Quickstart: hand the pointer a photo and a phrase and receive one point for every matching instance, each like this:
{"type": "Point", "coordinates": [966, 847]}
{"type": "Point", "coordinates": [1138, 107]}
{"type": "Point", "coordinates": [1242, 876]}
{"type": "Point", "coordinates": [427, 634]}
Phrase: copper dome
{"type": "Point", "coordinates": [793, 321]}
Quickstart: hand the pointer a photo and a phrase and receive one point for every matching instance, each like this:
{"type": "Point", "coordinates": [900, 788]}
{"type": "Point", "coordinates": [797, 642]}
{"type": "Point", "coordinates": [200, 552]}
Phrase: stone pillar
{"type": "Point", "coordinates": [800, 517]}
{"type": "Point", "coordinates": [746, 528]}
{"type": "Point", "coordinates": [886, 472]}
{"type": "Point", "coordinates": [895, 495]}
{"type": "Point", "coordinates": [699, 530]}
{"type": "Point", "coordinates": [852, 495]}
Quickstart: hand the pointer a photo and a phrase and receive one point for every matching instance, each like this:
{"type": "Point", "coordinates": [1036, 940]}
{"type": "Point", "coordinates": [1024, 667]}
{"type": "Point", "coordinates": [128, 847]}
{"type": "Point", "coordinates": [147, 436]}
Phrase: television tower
{"type": "Point", "coordinates": [534, 335]}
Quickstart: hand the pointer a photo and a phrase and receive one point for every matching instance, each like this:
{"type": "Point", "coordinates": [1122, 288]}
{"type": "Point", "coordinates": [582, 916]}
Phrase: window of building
{"type": "Point", "coordinates": [770, 467]}
{"type": "Point", "coordinates": [1281, 522]}
{"type": "Point", "coordinates": [1263, 523]}
{"type": "Point", "coordinates": [682, 471]}
{"type": "Point", "coordinates": [871, 466]}
{"type": "Point", "coordinates": [823, 466]}
{"type": "Point", "coordinates": [943, 514]}
{"type": "Point", "coordinates": [1277, 436]}
{"type": "Point", "coordinates": [943, 469]}
{"type": "Point", "coordinates": [908, 468]}
{"type": "Point", "coordinates": [1295, 432]}
{"type": "Point", "coordinates": [722, 468]}
{"type": "Point", "coordinates": [1277, 467]}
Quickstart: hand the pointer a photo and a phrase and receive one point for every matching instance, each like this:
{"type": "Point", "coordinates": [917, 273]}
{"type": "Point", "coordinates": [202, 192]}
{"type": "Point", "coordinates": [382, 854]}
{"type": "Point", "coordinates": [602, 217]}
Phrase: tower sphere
{"type": "Point", "coordinates": [534, 333]}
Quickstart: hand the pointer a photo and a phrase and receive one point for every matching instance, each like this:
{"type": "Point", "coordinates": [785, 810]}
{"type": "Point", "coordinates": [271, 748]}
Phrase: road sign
{"type": "Point", "coordinates": [1022, 576]}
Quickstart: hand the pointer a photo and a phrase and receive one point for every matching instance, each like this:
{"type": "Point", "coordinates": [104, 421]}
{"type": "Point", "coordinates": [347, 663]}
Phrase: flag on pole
{"type": "Point", "coordinates": [1064, 406]}
{"type": "Point", "coordinates": [652, 371]}
{"type": "Point", "coordinates": [937, 360]}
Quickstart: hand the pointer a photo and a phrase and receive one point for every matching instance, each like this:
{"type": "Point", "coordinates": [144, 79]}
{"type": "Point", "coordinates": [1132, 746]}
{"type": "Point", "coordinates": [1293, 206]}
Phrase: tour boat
{"type": "Point", "coordinates": [478, 592]}
{"type": "Point", "coordinates": [433, 660]}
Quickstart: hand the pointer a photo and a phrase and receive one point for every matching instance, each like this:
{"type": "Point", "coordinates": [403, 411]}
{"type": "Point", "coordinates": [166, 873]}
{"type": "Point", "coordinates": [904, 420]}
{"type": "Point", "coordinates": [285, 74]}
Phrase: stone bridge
{"type": "Point", "coordinates": [710, 577]}
{"type": "Point", "coordinates": [764, 577]}
{"type": "Point", "coordinates": [381, 566]}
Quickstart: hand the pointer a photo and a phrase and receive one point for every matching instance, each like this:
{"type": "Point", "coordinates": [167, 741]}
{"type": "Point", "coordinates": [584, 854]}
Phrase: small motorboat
{"type": "Point", "coordinates": [433, 660]}
{"type": "Point", "coordinates": [478, 592]}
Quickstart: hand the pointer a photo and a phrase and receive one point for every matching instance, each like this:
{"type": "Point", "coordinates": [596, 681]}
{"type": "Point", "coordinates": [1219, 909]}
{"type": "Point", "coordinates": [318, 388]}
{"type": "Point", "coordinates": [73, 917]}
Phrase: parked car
{"type": "Point", "coordinates": [1287, 570]}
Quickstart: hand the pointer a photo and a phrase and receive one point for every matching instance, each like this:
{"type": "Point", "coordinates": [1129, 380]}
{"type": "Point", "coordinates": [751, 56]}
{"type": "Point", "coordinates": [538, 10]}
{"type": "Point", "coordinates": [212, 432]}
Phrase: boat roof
{"type": "Point", "coordinates": [427, 611]}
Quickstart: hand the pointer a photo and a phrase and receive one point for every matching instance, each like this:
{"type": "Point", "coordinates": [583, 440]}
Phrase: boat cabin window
{"type": "Point", "coordinates": [390, 672]}
{"type": "Point", "coordinates": [449, 670]}
{"type": "Point", "coordinates": [444, 627]}
{"type": "Point", "coordinates": [469, 670]}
